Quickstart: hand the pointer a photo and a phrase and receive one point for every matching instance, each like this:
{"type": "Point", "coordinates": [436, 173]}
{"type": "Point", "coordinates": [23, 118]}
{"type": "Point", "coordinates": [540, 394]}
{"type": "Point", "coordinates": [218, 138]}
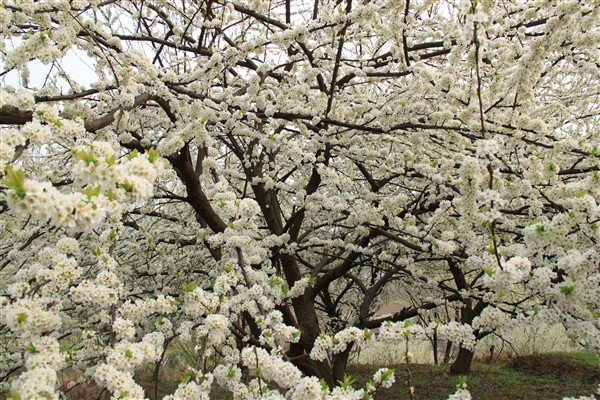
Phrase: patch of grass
{"type": "Point", "coordinates": [577, 375]}
{"type": "Point", "coordinates": [581, 357]}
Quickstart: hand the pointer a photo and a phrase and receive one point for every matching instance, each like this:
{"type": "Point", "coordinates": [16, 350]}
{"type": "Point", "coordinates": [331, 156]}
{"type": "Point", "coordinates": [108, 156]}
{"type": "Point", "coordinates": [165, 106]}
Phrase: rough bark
{"type": "Point", "coordinates": [340, 363]}
{"type": "Point", "coordinates": [462, 364]}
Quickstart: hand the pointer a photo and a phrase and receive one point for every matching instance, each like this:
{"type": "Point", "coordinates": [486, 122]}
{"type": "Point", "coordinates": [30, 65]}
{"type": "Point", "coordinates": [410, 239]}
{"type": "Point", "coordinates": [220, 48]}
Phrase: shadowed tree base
{"type": "Point", "coordinates": [462, 364]}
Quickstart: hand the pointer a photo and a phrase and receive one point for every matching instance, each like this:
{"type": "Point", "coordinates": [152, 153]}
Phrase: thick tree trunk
{"type": "Point", "coordinates": [307, 321]}
{"type": "Point", "coordinates": [340, 362]}
{"type": "Point", "coordinates": [462, 364]}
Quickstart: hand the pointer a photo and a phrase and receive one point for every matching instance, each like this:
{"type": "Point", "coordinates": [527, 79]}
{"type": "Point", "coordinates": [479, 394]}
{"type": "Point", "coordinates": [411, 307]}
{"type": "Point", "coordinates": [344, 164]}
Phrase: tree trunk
{"type": "Point", "coordinates": [435, 347]}
{"type": "Point", "coordinates": [462, 364]}
{"type": "Point", "coordinates": [448, 352]}
{"type": "Point", "coordinates": [340, 362]}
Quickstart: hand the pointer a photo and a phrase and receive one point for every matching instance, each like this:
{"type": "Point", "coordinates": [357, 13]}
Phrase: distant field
{"type": "Point", "coordinates": [505, 344]}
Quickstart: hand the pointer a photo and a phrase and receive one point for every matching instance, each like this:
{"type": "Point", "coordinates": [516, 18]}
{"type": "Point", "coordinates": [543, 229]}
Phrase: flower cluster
{"type": "Point", "coordinates": [326, 345]}
{"type": "Point", "coordinates": [107, 185]}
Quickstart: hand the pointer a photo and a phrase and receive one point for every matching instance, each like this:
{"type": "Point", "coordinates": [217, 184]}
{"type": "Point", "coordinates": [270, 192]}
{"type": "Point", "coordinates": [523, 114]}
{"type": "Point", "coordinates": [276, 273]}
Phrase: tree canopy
{"type": "Point", "coordinates": [260, 177]}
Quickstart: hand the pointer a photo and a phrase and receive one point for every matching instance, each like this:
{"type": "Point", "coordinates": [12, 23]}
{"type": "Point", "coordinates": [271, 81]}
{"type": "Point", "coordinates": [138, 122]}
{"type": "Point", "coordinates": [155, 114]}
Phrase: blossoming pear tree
{"type": "Point", "coordinates": [257, 177]}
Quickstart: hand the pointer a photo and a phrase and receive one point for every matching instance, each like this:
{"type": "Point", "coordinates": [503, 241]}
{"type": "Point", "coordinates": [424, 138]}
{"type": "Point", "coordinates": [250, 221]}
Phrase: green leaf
{"type": "Point", "coordinates": [88, 158]}
{"type": "Point", "coordinates": [274, 281]}
{"type": "Point", "coordinates": [111, 195]}
{"type": "Point", "coordinates": [567, 290]}
{"type": "Point", "coordinates": [188, 287]}
{"type": "Point", "coordinates": [128, 353]}
{"type": "Point", "coordinates": [324, 385]}
{"type": "Point", "coordinates": [231, 373]}
{"type": "Point", "coordinates": [21, 317]}
{"type": "Point", "coordinates": [462, 382]}
{"type": "Point", "coordinates": [385, 375]}
{"type": "Point", "coordinates": [368, 333]}
{"type": "Point", "coordinates": [133, 154]}
{"type": "Point", "coordinates": [15, 181]}
{"type": "Point", "coordinates": [31, 348]}
{"type": "Point", "coordinates": [347, 382]}
{"type": "Point", "coordinates": [189, 374]}
{"type": "Point", "coordinates": [152, 155]}
{"type": "Point", "coordinates": [111, 160]}
{"type": "Point", "coordinates": [91, 191]}
{"type": "Point", "coordinates": [128, 187]}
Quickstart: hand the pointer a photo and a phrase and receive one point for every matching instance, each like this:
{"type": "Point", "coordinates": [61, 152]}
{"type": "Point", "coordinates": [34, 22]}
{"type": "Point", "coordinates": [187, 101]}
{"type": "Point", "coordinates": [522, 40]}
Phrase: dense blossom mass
{"type": "Point", "coordinates": [258, 178]}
